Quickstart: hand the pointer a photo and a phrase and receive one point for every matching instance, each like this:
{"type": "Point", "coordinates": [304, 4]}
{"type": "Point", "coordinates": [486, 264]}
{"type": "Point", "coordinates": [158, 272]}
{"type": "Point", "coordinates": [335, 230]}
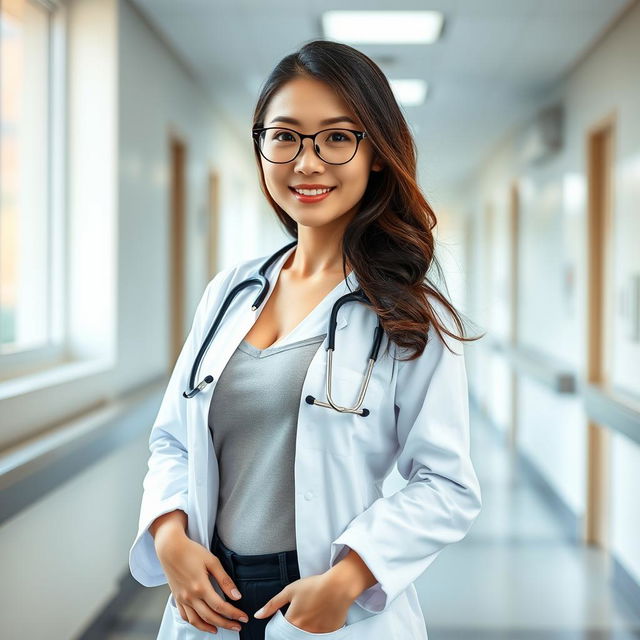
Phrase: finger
{"type": "Point", "coordinates": [225, 609]}
{"type": "Point", "coordinates": [279, 600]}
{"type": "Point", "coordinates": [182, 612]}
{"type": "Point", "coordinates": [213, 600]}
{"type": "Point", "coordinates": [195, 620]}
{"type": "Point", "coordinates": [213, 618]}
{"type": "Point", "coordinates": [218, 607]}
{"type": "Point", "coordinates": [224, 580]}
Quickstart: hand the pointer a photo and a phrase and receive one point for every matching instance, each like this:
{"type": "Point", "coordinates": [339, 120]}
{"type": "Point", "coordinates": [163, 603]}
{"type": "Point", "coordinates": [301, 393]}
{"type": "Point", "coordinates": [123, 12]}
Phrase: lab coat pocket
{"type": "Point", "coordinates": [279, 628]}
{"type": "Point", "coordinates": [176, 613]}
{"type": "Point", "coordinates": [344, 433]}
{"type": "Point", "coordinates": [173, 627]}
{"type": "Point", "coordinates": [367, 432]}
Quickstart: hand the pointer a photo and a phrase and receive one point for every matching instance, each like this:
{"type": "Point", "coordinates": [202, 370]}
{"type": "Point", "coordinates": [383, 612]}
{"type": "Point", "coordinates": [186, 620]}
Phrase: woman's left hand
{"type": "Point", "coordinates": [318, 604]}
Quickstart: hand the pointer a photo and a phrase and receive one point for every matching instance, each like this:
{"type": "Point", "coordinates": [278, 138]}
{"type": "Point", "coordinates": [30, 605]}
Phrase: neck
{"type": "Point", "coordinates": [316, 255]}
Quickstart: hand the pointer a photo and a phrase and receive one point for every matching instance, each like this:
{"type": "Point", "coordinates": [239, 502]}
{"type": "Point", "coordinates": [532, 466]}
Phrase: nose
{"type": "Point", "coordinates": [308, 159]}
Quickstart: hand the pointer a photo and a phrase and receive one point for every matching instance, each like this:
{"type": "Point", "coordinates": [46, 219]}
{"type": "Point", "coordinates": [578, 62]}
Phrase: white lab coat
{"type": "Point", "coordinates": [418, 420]}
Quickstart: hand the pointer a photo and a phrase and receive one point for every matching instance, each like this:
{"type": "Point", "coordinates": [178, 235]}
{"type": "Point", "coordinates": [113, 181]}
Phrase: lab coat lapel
{"type": "Point", "coordinates": [240, 318]}
{"type": "Point", "coordinates": [317, 322]}
{"type": "Point", "coordinates": [236, 324]}
{"type": "Point", "coordinates": [237, 321]}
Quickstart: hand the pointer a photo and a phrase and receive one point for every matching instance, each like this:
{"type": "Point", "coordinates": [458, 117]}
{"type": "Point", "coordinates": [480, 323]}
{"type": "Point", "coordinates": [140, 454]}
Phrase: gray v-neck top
{"type": "Point", "coordinates": [253, 419]}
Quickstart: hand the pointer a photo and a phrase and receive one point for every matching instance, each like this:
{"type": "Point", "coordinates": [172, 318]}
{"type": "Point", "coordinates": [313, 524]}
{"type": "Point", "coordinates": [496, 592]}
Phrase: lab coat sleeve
{"type": "Point", "coordinates": [165, 483]}
{"type": "Point", "coordinates": [400, 535]}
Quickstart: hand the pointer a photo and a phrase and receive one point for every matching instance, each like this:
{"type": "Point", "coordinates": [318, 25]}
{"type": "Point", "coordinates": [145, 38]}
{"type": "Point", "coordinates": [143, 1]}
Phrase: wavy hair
{"type": "Point", "coordinates": [389, 243]}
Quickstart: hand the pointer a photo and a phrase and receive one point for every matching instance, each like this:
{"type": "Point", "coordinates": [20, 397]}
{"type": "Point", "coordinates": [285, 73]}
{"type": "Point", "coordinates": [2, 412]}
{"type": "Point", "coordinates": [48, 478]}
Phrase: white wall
{"type": "Point", "coordinates": [157, 95]}
{"type": "Point", "coordinates": [553, 254]}
{"type": "Point", "coordinates": [69, 564]}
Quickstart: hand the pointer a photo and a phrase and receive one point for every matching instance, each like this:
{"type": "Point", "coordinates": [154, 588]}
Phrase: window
{"type": "Point", "coordinates": [31, 88]}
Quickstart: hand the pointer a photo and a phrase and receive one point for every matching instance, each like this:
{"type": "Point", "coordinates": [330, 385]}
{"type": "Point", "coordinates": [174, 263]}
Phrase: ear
{"type": "Point", "coordinates": [377, 164]}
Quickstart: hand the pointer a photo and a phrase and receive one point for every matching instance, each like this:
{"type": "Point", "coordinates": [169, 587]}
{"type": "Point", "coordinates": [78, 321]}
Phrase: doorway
{"type": "Point", "coordinates": [177, 234]}
{"type": "Point", "coordinates": [600, 154]}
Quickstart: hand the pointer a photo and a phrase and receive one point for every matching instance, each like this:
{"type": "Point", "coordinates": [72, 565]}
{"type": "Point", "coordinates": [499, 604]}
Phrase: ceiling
{"type": "Point", "coordinates": [494, 63]}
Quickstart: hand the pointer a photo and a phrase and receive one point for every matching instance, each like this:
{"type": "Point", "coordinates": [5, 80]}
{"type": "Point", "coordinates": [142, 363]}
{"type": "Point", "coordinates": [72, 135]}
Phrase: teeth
{"type": "Point", "coordinates": [311, 192]}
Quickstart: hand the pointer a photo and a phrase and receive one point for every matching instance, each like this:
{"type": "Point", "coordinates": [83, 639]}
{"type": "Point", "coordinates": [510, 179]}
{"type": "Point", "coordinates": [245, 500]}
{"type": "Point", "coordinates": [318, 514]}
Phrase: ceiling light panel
{"type": "Point", "coordinates": [410, 92]}
{"type": "Point", "coordinates": [382, 27]}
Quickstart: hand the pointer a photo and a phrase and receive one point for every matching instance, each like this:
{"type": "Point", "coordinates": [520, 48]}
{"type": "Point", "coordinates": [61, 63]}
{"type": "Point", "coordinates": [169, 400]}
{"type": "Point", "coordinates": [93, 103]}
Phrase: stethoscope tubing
{"type": "Point", "coordinates": [261, 280]}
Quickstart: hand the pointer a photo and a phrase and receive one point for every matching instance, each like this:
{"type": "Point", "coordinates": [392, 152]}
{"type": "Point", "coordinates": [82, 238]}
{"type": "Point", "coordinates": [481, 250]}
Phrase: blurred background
{"type": "Point", "coordinates": [128, 180]}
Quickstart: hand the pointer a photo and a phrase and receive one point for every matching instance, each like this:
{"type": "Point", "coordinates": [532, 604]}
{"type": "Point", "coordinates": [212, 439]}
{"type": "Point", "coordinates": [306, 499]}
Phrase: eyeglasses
{"type": "Point", "coordinates": [280, 144]}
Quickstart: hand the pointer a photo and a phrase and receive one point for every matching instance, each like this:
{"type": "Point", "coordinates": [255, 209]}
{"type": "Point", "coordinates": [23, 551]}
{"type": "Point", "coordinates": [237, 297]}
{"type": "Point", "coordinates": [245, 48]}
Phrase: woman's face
{"type": "Point", "coordinates": [309, 102]}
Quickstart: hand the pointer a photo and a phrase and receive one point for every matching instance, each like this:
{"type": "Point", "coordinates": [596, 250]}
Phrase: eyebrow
{"type": "Point", "coordinates": [327, 121]}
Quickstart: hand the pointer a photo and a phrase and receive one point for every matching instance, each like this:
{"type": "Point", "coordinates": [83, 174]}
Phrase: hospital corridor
{"type": "Point", "coordinates": [524, 577]}
{"type": "Point", "coordinates": [222, 223]}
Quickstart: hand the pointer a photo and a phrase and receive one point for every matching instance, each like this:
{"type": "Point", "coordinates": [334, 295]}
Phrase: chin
{"type": "Point", "coordinates": [310, 221]}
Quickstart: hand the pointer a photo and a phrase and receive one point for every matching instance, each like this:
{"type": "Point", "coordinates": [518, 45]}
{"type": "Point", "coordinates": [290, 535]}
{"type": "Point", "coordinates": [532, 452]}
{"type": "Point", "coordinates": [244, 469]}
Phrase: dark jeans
{"type": "Point", "coordinates": [258, 578]}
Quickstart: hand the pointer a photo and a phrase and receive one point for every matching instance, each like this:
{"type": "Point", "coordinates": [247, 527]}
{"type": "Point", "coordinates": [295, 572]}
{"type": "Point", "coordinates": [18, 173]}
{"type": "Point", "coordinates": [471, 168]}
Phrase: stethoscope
{"type": "Point", "coordinates": [261, 280]}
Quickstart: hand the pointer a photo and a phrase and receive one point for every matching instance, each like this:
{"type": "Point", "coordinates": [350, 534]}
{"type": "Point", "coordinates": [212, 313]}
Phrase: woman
{"type": "Point", "coordinates": [289, 488]}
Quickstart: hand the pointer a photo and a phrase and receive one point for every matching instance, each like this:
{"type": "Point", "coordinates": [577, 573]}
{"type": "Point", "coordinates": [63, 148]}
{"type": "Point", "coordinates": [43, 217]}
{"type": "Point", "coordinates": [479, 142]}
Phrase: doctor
{"type": "Point", "coordinates": [357, 552]}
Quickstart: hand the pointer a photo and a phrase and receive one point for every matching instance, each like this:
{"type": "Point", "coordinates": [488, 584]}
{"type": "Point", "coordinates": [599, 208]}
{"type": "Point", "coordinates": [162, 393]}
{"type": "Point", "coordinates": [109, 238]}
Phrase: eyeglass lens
{"type": "Point", "coordinates": [332, 145]}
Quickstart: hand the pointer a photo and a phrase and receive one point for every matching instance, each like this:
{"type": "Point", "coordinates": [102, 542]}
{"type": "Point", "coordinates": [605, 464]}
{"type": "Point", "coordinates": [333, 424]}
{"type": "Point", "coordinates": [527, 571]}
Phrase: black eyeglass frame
{"type": "Point", "coordinates": [360, 135]}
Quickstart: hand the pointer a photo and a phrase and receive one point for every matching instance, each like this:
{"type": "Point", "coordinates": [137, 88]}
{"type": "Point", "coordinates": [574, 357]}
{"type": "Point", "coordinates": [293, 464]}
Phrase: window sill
{"type": "Point", "coordinates": [53, 376]}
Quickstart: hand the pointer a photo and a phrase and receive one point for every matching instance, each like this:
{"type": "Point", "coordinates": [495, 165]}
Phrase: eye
{"type": "Point", "coordinates": [276, 136]}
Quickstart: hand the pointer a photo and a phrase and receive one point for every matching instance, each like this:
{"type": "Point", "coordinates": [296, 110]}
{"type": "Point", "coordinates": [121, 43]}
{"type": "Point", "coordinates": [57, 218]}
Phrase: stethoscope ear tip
{"type": "Point", "coordinates": [310, 399]}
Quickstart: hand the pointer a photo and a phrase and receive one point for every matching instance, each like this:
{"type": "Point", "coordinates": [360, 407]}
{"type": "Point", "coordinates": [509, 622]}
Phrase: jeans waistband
{"type": "Point", "coordinates": [282, 565]}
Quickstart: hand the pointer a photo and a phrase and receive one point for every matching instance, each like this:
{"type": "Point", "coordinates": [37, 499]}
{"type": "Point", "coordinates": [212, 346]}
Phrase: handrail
{"type": "Point", "coordinates": [30, 470]}
{"type": "Point", "coordinates": [614, 408]}
{"type": "Point", "coordinates": [551, 372]}
{"type": "Point", "coordinates": [617, 409]}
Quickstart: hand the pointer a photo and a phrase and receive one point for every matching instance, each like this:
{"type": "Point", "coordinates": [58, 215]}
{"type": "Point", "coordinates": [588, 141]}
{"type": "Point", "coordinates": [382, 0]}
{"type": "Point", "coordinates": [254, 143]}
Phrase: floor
{"type": "Point", "coordinates": [516, 576]}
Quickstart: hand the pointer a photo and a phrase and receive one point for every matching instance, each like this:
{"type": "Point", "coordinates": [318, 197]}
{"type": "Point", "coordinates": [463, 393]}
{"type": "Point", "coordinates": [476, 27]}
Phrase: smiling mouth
{"type": "Point", "coordinates": [302, 194]}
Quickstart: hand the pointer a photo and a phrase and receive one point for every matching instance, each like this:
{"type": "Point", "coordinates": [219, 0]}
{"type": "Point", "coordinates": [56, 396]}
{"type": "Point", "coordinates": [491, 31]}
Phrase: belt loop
{"type": "Point", "coordinates": [282, 560]}
{"type": "Point", "coordinates": [214, 540]}
{"type": "Point", "coordinates": [228, 555]}
{"type": "Point", "coordinates": [232, 564]}
{"type": "Point", "coordinates": [230, 558]}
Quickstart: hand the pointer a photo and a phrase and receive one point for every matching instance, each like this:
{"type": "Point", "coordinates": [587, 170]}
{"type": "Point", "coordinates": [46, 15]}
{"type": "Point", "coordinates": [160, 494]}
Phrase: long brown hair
{"type": "Point", "coordinates": [389, 243]}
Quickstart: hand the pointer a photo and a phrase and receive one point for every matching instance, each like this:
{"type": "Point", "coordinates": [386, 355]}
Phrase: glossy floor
{"type": "Point", "coordinates": [516, 576]}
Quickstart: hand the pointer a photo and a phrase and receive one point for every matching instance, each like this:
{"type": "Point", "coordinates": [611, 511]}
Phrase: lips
{"type": "Point", "coordinates": [311, 199]}
{"type": "Point", "coordinates": [330, 189]}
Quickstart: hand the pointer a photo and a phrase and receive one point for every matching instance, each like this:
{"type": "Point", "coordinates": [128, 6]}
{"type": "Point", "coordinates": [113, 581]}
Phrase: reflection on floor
{"type": "Point", "coordinates": [516, 576]}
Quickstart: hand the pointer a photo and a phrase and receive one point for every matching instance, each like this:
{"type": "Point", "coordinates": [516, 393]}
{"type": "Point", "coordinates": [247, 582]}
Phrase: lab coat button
{"type": "Point", "coordinates": [308, 495]}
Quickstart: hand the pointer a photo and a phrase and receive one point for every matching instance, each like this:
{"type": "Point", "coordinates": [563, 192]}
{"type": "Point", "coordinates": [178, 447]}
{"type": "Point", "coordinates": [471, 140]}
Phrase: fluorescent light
{"type": "Point", "coordinates": [409, 93]}
{"type": "Point", "coordinates": [387, 27]}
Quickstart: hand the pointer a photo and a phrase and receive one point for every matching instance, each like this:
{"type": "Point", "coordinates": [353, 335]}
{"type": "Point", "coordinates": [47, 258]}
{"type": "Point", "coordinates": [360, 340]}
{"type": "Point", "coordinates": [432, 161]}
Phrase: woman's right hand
{"type": "Point", "coordinates": [187, 565]}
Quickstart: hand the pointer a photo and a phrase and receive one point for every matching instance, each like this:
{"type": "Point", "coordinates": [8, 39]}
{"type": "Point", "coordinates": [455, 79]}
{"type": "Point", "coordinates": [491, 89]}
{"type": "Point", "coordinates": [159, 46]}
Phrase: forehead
{"type": "Point", "coordinates": [310, 103]}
